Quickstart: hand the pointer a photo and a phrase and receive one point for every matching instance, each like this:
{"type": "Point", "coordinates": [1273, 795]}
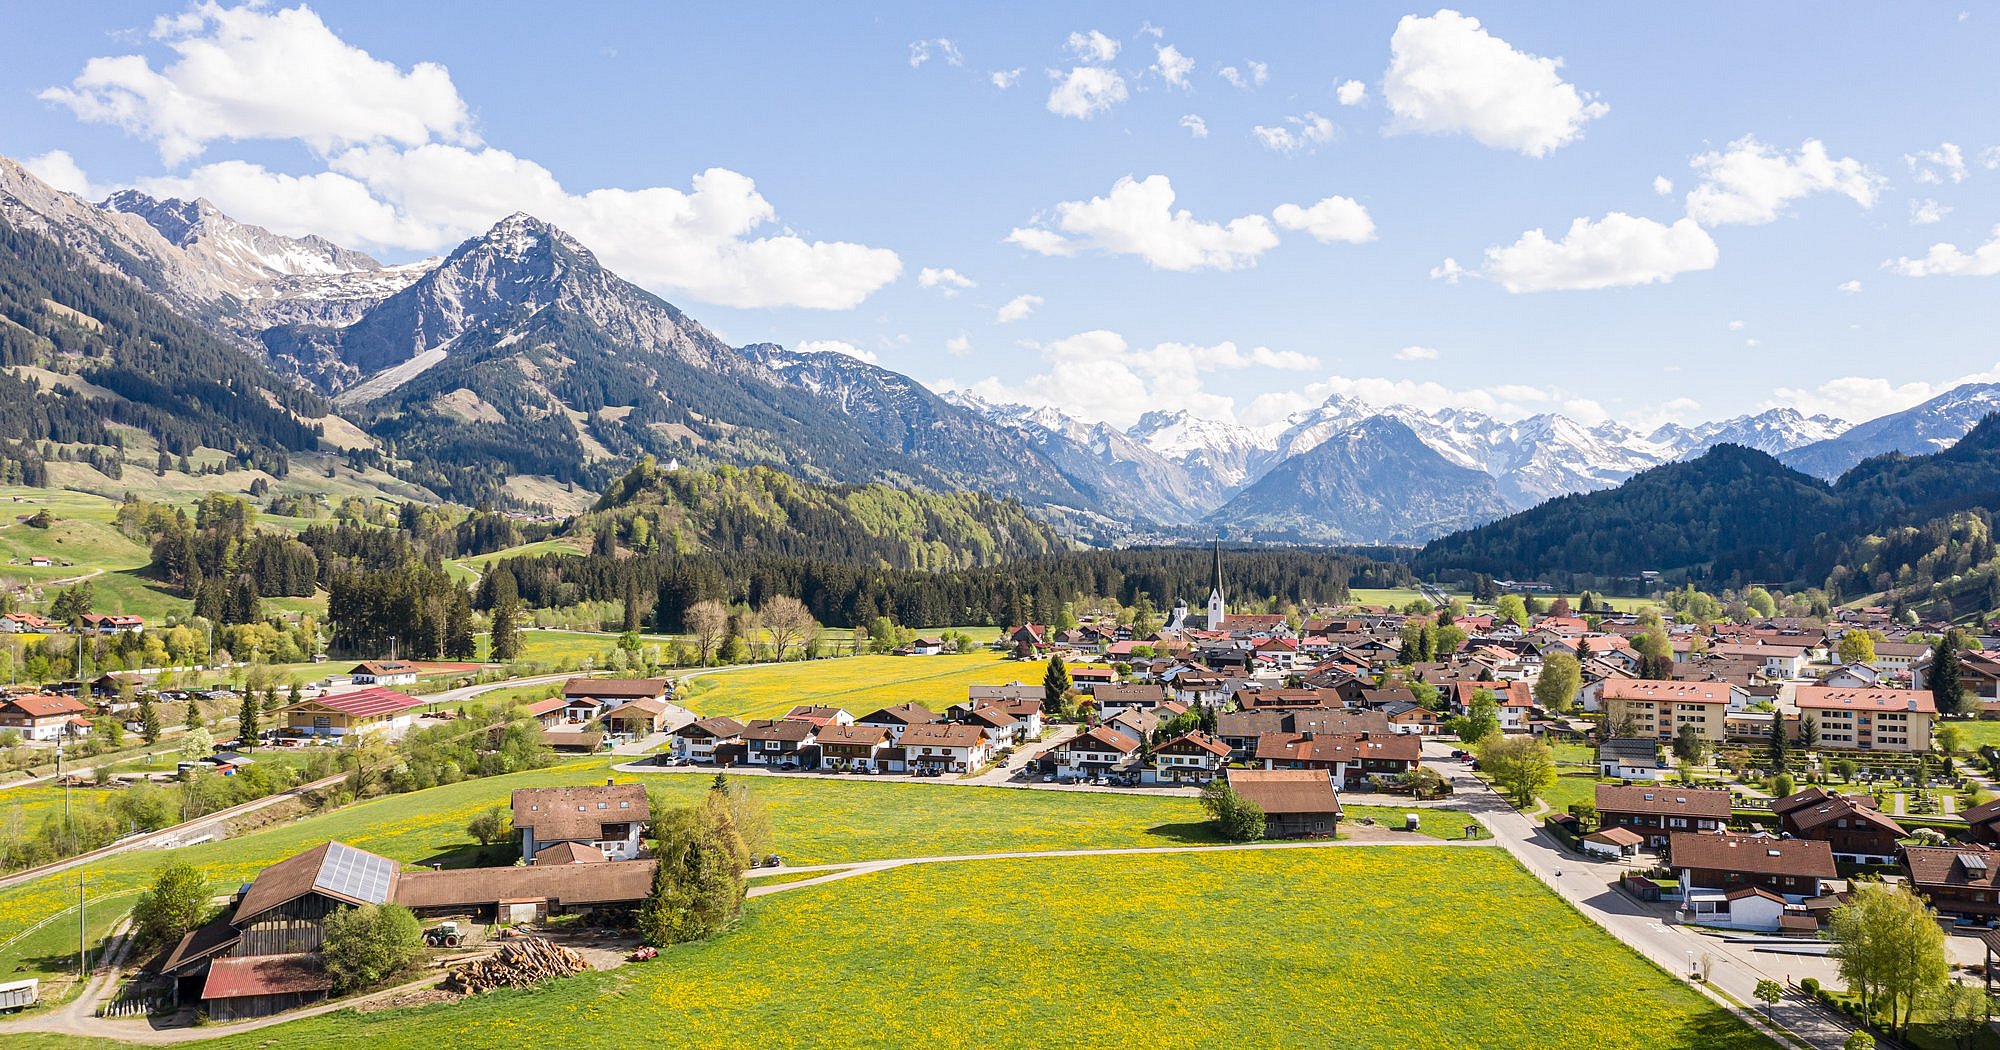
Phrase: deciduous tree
{"type": "Point", "coordinates": [177, 903]}
{"type": "Point", "coordinates": [1520, 766]}
{"type": "Point", "coordinates": [1561, 677]}
{"type": "Point", "coordinates": [370, 944]}
{"type": "Point", "coordinates": [708, 621]}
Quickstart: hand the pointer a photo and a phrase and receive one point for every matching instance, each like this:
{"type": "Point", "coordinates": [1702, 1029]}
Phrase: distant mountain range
{"type": "Point", "coordinates": [517, 366]}
{"type": "Point", "coordinates": [1735, 516]}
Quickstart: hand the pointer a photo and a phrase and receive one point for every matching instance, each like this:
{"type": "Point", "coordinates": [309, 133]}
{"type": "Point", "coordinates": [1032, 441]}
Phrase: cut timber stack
{"type": "Point", "coordinates": [518, 965]}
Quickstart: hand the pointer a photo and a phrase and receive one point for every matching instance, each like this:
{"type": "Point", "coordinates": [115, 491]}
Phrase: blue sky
{"type": "Point", "coordinates": [1807, 149]}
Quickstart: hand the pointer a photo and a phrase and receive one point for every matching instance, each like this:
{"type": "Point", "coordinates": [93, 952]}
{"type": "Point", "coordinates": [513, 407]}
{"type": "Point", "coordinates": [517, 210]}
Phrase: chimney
{"type": "Point", "coordinates": [610, 782]}
{"type": "Point", "coordinates": [1307, 735]}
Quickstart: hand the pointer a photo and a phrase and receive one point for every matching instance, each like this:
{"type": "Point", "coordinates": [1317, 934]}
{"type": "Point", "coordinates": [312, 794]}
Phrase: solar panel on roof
{"type": "Point", "coordinates": [354, 874]}
{"type": "Point", "coordinates": [1972, 861]}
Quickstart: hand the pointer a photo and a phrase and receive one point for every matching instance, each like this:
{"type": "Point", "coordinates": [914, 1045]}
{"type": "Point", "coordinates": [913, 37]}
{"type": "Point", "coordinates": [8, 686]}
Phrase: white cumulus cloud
{"type": "Point", "coordinates": [1862, 398]}
{"type": "Point", "coordinates": [251, 72]}
{"type": "Point", "coordinates": [1751, 183]}
{"type": "Point", "coordinates": [1098, 375]}
{"type": "Point", "coordinates": [1935, 166]}
{"type": "Point", "coordinates": [835, 346]}
{"type": "Point", "coordinates": [1926, 212]}
{"type": "Point", "coordinates": [59, 169]}
{"type": "Point", "coordinates": [958, 345]}
{"type": "Point", "coordinates": [1085, 91]}
{"type": "Point", "coordinates": [1948, 260]}
{"type": "Point", "coordinates": [1017, 308]}
{"type": "Point", "coordinates": [1296, 134]}
{"type": "Point", "coordinates": [1172, 66]}
{"type": "Point", "coordinates": [1195, 125]}
{"type": "Point", "coordinates": [945, 279]}
{"type": "Point", "coordinates": [1005, 78]}
{"type": "Point", "coordinates": [1851, 287]}
{"type": "Point", "coordinates": [920, 52]}
{"type": "Point", "coordinates": [1663, 186]}
{"type": "Point", "coordinates": [1092, 47]}
{"type": "Point", "coordinates": [703, 242]}
{"type": "Point", "coordinates": [406, 172]}
{"type": "Point", "coordinates": [1416, 353]}
{"type": "Point", "coordinates": [1330, 220]}
{"type": "Point", "coordinates": [1253, 74]}
{"type": "Point", "coordinates": [1138, 218]}
{"type": "Point", "coordinates": [1447, 75]}
{"type": "Point", "coordinates": [1351, 93]}
{"type": "Point", "coordinates": [1615, 251]}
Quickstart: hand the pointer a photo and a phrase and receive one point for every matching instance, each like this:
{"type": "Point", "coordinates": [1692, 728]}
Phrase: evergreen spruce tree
{"type": "Point", "coordinates": [246, 721]}
{"type": "Point", "coordinates": [1944, 675]}
{"type": "Point", "coordinates": [1777, 751]}
{"type": "Point", "coordinates": [1056, 686]}
{"type": "Point", "coordinates": [149, 720]}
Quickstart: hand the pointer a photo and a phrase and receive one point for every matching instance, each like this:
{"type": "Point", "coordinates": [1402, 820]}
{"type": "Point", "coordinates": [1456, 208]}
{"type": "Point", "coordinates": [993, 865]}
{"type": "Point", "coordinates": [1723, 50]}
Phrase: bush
{"type": "Point", "coordinates": [370, 944]}
{"type": "Point", "coordinates": [1810, 985]}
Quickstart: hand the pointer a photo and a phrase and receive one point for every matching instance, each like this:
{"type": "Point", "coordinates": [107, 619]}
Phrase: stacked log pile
{"type": "Point", "coordinates": [518, 964]}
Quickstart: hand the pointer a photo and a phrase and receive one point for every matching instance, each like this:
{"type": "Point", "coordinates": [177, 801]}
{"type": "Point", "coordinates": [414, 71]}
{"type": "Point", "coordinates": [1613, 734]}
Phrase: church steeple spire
{"type": "Point", "coordinates": [1216, 602]}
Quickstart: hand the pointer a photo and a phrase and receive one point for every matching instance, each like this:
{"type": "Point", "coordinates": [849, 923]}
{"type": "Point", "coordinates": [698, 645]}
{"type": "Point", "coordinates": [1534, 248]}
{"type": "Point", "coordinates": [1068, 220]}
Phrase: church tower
{"type": "Point", "coordinates": [1215, 598]}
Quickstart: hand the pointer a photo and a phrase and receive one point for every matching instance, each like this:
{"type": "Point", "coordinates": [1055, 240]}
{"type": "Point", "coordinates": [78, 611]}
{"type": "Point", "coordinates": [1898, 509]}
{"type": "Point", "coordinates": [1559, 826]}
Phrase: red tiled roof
{"type": "Point", "coordinates": [1828, 698]}
{"type": "Point", "coordinates": [361, 703]}
{"type": "Point", "coordinates": [45, 705]}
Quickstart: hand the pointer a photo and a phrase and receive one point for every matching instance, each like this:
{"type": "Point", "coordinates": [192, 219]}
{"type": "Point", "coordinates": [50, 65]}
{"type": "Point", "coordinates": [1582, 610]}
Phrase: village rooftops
{"type": "Point", "coordinates": [1709, 803]}
{"type": "Point", "coordinates": [1666, 692]}
{"type": "Point", "coordinates": [1828, 698]}
{"type": "Point", "coordinates": [818, 716]}
{"type": "Point", "coordinates": [578, 812]}
{"type": "Point", "coordinates": [1752, 854]}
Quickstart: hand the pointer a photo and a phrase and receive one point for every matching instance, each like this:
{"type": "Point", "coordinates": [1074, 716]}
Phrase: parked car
{"type": "Point", "coordinates": [1048, 778]}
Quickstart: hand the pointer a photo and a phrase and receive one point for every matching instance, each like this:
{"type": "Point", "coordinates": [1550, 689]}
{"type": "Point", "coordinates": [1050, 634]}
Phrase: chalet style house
{"type": "Point", "coordinates": [1852, 824]}
{"type": "Point", "coordinates": [1710, 867]}
{"type": "Point", "coordinates": [1656, 813]}
{"type": "Point", "coordinates": [698, 740]}
{"type": "Point", "coordinates": [610, 818]}
{"type": "Point", "coordinates": [1957, 880]}
{"type": "Point", "coordinates": [1096, 752]}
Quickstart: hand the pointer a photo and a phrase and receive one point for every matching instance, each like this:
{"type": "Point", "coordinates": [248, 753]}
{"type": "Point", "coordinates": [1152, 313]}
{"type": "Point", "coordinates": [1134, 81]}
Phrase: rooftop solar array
{"type": "Point", "coordinates": [355, 875]}
{"type": "Point", "coordinates": [1972, 861]}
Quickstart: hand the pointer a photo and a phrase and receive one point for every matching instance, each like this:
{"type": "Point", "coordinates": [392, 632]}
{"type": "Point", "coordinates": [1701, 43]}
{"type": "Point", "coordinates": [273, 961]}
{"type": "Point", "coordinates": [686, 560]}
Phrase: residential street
{"type": "Point", "coordinates": [1731, 968]}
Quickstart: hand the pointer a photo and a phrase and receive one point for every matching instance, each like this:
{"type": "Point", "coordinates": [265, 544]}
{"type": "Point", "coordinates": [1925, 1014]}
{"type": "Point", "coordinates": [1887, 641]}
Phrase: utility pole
{"type": "Point", "coordinates": [81, 951]}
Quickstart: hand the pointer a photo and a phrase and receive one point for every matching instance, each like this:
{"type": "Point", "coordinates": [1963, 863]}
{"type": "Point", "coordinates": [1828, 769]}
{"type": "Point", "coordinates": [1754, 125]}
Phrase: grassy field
{"type": "Point", "coordinates": [1393, 597]}
{"type": "Point", "coordinates": [1975, 734]}
{"type": "Point", "coordinates": [1203, 950]}
{"type": "Point", "coordinates": [816, 822]}
{"type": "Point", "coordinates": [860, 684]}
